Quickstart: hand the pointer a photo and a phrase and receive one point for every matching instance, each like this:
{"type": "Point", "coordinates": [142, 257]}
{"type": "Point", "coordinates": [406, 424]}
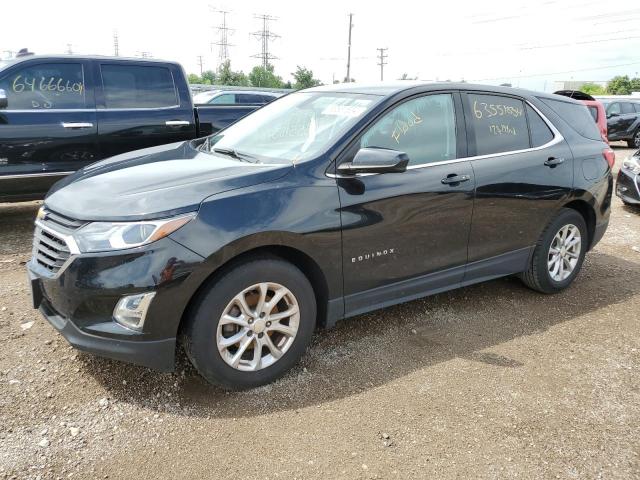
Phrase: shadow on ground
{"type": "Point", "coordinates": [371, 350]}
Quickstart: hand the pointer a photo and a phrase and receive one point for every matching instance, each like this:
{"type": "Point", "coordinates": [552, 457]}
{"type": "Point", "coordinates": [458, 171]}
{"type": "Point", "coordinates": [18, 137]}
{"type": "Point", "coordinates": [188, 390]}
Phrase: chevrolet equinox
{"type": "Point", "coordinates": [324, 204]}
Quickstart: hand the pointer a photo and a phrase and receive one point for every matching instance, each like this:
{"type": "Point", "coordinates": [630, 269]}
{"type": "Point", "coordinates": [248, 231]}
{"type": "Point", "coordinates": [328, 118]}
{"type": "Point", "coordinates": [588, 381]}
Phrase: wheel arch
{"type": "Point", "coordinates": [303, 261]}
{"type": "Point", "coordinates": [588, 213]}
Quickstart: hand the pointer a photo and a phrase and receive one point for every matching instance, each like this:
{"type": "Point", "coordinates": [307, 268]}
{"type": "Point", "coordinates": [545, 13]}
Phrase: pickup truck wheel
{"type": "Point", "coordinates": [252, 324]}
{"type": "Point", "coordinates": [635, 141]}
{"type": "Point", "coordinates": [559, 253]}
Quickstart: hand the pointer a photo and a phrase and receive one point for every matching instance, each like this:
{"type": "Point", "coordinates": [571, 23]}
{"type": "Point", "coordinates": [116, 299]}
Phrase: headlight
{"type": "Point", "coordinates": [632, 164]}
{"type": "Point", "coordinates": [105, 236]}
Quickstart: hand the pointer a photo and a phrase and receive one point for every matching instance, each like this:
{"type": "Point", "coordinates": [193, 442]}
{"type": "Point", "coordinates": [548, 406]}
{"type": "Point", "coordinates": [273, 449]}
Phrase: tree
{"type": "Point", "coordinates": [209, 77]}
{"type": "Point", "coordinates": [635, 84]}
{"type": "Point", "coordinates": [264, 77]}
{"type": "Point", "coordinates": [593, 89]}
{"type": "Point", "coordinates": [193, 78]}
{"type": "Point", "coordinates": [304, 78]}
{"type": "Point", "coordinates": [226, 76]}
{"type": "Point", "coordinates": [620, 85]}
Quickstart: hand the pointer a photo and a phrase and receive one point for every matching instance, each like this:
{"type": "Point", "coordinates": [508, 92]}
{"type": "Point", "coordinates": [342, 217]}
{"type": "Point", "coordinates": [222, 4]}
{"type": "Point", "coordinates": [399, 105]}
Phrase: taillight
{"type": "Point", "coordinates": [610, 156]}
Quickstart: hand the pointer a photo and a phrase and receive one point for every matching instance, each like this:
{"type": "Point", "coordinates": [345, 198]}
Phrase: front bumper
{"type": "Point", "coordinates": [79, 300]}
{"type": "Point", "coordinates": [628, 187]}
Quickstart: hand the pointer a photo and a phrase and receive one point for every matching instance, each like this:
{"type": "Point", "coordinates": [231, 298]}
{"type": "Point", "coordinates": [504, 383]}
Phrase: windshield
{"type": "Point", "coordinates": [296, 127]}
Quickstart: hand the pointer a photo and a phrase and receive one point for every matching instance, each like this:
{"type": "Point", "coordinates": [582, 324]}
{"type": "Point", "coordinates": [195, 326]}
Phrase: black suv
{"type": "Point", "coordinates": [623, 121]}
{"type": "Point", "coordinates": [322, 205]}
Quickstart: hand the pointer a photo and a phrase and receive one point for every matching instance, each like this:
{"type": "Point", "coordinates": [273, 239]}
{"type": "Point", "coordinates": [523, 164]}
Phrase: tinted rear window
{"type": "Point", "coordinates": [131, 86]}
{"type": "Point", "coordinates": [577, 116]}
{"type": "Point", "coordinates": [541, 134]}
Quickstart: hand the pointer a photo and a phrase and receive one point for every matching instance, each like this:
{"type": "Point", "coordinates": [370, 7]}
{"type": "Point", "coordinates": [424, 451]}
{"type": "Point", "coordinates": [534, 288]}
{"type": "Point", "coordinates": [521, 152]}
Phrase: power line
{"type": "Point", "coordinates": [557, 73]}
{"type": "Point", "coordinates": [348, 77]}
{"type": "Point", "coordinates": [223, 41]}
{"type": "Point", "coordinates": [265, 35]}
{"type": "Point", "coordinates": [381, 61]}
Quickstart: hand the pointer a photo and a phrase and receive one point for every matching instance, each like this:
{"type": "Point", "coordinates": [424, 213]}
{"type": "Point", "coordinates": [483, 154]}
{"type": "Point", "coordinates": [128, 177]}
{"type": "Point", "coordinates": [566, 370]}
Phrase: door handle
{"type": "Point", "coordinates": [449, 179]}
{"type": "Point", "coordinates": [176, 123]}
{"type": "Point", "coordinates": [77, 125]}
{"type": "Point", "coordinates": [553, 162]}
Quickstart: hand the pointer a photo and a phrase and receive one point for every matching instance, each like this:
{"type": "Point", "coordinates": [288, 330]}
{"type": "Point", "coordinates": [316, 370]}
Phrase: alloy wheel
{"type": "Point", "coordinates": [564, 252]}
{"type": "Point", "coordinates": [258, 326]}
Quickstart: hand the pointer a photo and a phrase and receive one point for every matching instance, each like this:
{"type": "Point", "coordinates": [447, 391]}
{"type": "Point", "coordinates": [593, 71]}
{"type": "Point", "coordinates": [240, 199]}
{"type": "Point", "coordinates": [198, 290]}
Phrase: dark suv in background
{"type": "Point", "coordinates": [623, 121]}
{"type": "Point", "coordinates": [324, 204]}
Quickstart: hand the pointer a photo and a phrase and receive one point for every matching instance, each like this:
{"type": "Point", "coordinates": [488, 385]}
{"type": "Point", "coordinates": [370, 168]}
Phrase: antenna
{"type": "Point", "coordinates": [381, 57]}
{"type": "Point", "coordinates": [264, 36]}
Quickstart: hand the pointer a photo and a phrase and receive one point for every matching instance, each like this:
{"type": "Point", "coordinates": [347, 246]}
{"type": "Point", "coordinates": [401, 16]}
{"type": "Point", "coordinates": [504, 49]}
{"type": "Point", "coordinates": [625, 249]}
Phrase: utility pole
{"type": "Point", "coordinates": [348, 79]}
{"type": "Point", "coordinates": [10, 52]}
{"type": "Point", "coordinates": [381, 57]}
{"type": "Point", "coordinates": [200, 63]}
{"type": "Point", "coordinates": [116, 49]}
{"type": "Point", "coordinates": [69, 49]}
{"type": "Point", "coordinates": [264, 36]}
{"type": "Point", "coordinates": [223, 41]}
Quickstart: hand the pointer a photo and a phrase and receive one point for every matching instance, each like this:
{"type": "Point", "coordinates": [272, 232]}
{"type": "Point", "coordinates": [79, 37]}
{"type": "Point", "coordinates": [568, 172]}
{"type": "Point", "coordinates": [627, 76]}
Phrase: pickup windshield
{"type": "Point", "coordinates": [296, 127]}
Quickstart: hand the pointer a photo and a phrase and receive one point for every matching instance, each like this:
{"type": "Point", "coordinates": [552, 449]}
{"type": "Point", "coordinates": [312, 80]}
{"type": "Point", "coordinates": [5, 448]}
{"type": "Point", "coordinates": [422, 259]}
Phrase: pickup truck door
{"type": "Point", "coordinates": [140, 105]}
{"type": "Point", "coordinates": [48, 127]}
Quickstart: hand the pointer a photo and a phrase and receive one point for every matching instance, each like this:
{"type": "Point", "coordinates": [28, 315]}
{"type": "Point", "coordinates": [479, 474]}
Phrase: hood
{"type": "Point", "coordinates": [154, 182]}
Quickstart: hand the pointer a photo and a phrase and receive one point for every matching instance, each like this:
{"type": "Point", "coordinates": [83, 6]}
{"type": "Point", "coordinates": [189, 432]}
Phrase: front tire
{"type": "Point", "coordinates": [559, 253]}
{"type": "Point", "coordinates": [252, 324]}
{"type": "Point", "coordinates": [635, 141]}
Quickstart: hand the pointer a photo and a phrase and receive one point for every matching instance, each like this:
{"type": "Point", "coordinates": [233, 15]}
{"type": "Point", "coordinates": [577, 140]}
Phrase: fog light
{"type": "Point", "coordinates": [131, 310]}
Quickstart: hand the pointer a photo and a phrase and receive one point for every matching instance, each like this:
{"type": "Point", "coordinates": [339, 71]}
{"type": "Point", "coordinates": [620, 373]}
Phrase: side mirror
{"type": "Point", "coordinates": [376, 160]}
{"type": "Point", "coordinates": [4, 102]}
{"type": "Point", "coordinates": [610, 115]}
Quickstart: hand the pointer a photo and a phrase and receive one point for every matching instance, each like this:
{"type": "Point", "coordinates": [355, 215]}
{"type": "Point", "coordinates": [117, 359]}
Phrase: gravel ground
{"type": "Point", "coordinates": [490, 381]}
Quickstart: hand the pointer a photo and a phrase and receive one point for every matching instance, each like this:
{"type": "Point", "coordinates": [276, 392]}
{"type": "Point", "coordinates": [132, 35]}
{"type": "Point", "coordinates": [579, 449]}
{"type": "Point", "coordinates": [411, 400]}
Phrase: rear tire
{"type": "Point", "coordinates": [557, 258]}
{"type": "Point", "coordinates": [244, 310]}
{"type": "Point", "coordinates": [635, 140]}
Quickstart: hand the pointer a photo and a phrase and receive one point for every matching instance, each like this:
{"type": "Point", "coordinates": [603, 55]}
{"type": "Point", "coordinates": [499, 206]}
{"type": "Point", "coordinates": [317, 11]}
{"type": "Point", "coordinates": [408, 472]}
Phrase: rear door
{"type": "Point", "coordinates": [49, 127]}
{"type": "Point", "coordinates": [523, 170]}
{"type": "Point", "coordinates": [140, 105]}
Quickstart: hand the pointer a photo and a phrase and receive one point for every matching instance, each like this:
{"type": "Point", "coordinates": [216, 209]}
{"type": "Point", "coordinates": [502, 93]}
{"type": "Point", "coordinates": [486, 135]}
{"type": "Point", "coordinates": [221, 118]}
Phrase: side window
{"type": "Point", "coordinates": [424, 128]}
{"type": "Point", "coordinates": [627, 108]}
{"type": "Point", "coordinates": [498, 123]}
{"type": "Point", "coordinates": [594, 112]}
{"type": "Point", "coordinates": [45, 86]}
{"type": "Point", "coordinates": [224, 99]}
{"type": "Point", "coordinates": [614, 108]}
{"type": "Point", "coordinates": [248, 98]}
{"type": "Point", "coordinates": [541, 134]}
{"type": "Point", "coordinates": [132, 86]}
{"type": "Point", "coordinates": [637, 107]}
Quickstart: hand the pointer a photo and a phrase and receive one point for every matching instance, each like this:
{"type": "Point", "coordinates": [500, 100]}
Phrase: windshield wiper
{"type": "Point", "coordinates": [233, 153]}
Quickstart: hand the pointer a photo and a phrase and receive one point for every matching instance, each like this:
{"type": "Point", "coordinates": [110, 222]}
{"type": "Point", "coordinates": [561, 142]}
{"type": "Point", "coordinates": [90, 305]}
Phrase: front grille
{"type": "Point", "coordinates": [50, 250]}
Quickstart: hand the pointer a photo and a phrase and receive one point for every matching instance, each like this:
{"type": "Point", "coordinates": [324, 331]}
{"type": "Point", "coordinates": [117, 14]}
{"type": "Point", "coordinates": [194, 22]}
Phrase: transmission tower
{"type": "Point", "coordinates": [381, 61]}
{"type": "Point", "coordinates": [264, 36]}
{"type": "Point", "coordinates": [116, 49]}
{"type": "Point", "coordinates": [223, 41]}
{"type": "Point", "coordinates": [200, 64]}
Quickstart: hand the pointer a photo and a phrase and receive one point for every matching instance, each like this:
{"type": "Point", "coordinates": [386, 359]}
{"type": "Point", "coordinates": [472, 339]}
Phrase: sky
{"type": "Point", "coordinates": [528, 44]}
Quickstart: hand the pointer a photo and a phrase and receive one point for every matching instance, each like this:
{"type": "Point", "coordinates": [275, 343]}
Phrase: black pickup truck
{"type": "Point", "coordinates": [60, 113]}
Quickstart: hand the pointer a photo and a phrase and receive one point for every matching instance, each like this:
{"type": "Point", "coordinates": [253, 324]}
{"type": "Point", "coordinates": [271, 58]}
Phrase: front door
{"type": "Point", "coordinates": [406, 233]}
{"type": "Point", "coordinates": [48, 128]}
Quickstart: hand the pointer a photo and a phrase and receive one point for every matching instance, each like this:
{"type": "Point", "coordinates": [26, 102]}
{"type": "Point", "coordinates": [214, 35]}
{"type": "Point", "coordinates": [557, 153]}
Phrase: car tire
{"type": "Point", "coordinates": [553, 270]}
{"type": "Point", "coordinates": [207, 334]}
{"type": "Point", "coordinates": [634, 142]}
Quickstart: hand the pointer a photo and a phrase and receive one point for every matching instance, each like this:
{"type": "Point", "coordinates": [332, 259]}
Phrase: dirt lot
{"type": "Point", "coordinates": [491, 381]}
